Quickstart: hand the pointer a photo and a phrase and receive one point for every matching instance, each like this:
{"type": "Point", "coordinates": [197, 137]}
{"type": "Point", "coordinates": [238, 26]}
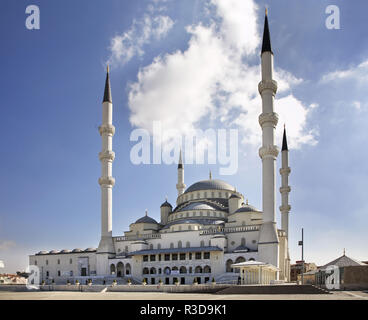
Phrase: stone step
{"type": "Point", "coordinates": [273, 289]}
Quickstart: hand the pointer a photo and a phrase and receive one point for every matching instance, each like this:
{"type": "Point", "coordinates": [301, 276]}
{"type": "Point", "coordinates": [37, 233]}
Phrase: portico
{"type": "Point", "coordinates": [256, 272]}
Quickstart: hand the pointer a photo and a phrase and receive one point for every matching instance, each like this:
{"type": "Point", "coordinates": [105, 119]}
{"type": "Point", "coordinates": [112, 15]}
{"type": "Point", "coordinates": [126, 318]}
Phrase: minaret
{"type": "Point", "coordinates": [268, 244]}
{"type": "Point", "coordinates": [180, 186]}
{"type": "Point", "coordinates": [285, 188]}
{"type": "Point", "coordinates": [106, 181]}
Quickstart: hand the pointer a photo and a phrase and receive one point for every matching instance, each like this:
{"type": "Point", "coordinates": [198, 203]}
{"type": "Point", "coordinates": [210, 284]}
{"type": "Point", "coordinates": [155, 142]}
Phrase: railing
{"type": "Point", "coordinates": [229, 229]}
{"type": "Point", "coordinates": [138, 237]}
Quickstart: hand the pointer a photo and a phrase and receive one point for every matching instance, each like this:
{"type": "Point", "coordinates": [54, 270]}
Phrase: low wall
{"type": "Point", "coordinates": [121, 288]}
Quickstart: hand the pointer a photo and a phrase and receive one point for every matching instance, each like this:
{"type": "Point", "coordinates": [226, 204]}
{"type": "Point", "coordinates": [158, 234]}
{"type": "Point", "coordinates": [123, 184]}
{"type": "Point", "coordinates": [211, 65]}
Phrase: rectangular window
{"type": "Point", "coordinates": [182, 256]}
{"type": "Point", "coordinates": [145, 258]}
{"type": "Point", "coordinates": [190, 256]}
{"type": "Point", "coordinates": [71, 261]}
{"type": "Point", "coordinates": [167, 257]}
{"type": "Point", "coordinates": [159, 257]}
{"type": "Point", "coordinates": [206, 255]}
{"type": "Point", "coordinates": [152, 257]}
{"type": "Point", "coordinates": [174, 256]}
{"type": "Point", "coordinates": [198, 255]}
{"type": "Point", "coordinates": [59, 273]}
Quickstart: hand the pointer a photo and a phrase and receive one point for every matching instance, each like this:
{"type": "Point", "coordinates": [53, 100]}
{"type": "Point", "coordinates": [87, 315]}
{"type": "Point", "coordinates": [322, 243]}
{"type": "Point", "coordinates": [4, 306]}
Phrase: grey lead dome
{"type": "Point", "coordinates": [212, 184]}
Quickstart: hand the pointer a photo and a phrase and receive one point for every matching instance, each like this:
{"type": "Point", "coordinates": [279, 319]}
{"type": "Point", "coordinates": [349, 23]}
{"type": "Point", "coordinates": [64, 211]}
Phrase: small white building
{"type": "Point", "coordinates": [205, 235]}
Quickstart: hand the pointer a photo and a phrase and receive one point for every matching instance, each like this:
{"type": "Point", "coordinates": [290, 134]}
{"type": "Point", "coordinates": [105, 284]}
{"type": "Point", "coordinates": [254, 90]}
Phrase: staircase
{"type": "Point", "coordinates": [228, 278]}
{"type": "Point", "coordinates": [273, 289]}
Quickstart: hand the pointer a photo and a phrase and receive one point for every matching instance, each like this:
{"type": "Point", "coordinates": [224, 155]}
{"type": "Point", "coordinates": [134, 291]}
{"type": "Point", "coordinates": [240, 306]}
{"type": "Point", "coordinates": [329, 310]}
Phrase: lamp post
{"type": "Point", "coordinates": [301, 243]}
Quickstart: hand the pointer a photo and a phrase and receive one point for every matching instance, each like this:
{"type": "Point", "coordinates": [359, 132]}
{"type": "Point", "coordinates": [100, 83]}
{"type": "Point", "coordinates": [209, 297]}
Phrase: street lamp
{"type": "Point", "coordinates": [301, 243]}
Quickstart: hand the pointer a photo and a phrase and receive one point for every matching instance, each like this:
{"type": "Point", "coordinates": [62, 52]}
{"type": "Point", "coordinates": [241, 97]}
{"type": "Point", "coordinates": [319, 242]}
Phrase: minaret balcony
{"type": "Point", "coordinates": [285, 208]}
{"type": "Point", "coordinates": [107, 154]}
{"type": "Point", "coordinates": [267, 85]}
{"type": "Point", "coordinates": [268, 119]}
{"type": "Point", "coordinates": [109, 181]}
{"type": "Point", "coordinates": [268, 152]}
{"type": "Point", "coordinates": [285, 171]}
{"type": "Point", "coordinates": [285, 189]}
{"type": "Point", "coordinates": [106, 128]}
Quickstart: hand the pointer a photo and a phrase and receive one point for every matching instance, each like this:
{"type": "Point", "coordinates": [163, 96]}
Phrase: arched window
{"type": "Point", "coordinates": [251, 259]}
{"type": "Point", "coordinates": [112, 269]}
{"type": "Point", "coordinates": [174, 269]}
{"type": "Point", "coordinates": [207, 269]}
{"type": "Point", "coordinates": [153, 270]}
{"type": "Point", "coordinates": [159, 246]}
{"type": "Point", "coordinates": [183, 269]}
{"type": "Point", "coordinates": [198, 269]}
{"type": "Point", "coordinates": [188, 244]}
{"type": "Point", "coordinates": [228, 265]}
{"type": "Point", "coordinates": [128, 269]}
{"type": "Point", "coordinates": [151, 246]}
{"type": "Point", "coordinates": [167, 270]}
{"type": "Point", "coordinates": [145, 271]}
{"type": "Point", "coordinates": [171, 245]}
{"type": "Point", "coordinates": [180, 244]}
{"type": "Point", "coordinates": [202, 243]}
{"type": "Point", "coordinates": [120, 269]}
{"type": "Point", "coordinates": [239, 260]}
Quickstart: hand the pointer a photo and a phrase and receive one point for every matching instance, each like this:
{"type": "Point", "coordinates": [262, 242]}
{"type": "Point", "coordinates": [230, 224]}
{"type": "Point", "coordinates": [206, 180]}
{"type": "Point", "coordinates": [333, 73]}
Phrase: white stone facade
{"type": "Point", "coordinates": [210, 228]}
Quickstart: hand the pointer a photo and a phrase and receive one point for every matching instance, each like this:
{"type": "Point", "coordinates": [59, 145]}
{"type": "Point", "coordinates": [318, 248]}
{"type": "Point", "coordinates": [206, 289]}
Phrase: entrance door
{"type": "Point", "coordinates": [83, 272]}
{"type": "Point", "coordinates": [152, 280]}
{"type": "Point", "coordinates": [167, 280]}
{"type": "Point", "coordinates": [182, 280]}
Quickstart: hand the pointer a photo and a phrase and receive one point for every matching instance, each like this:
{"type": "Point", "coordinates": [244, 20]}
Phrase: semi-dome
{"type": "Point", "coordinates": [247, 208]}
{"type": "Point", "coordinates": [197, 206]}
{"type": "Point", "coordinates": [213, 184]}
{"type": "Point", "coordinates": [146, 219]}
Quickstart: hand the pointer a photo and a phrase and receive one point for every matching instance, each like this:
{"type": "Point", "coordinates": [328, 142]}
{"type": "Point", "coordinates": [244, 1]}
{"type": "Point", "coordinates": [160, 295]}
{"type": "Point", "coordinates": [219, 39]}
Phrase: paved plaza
{"type": "Point", "coordinates": [63, 295]}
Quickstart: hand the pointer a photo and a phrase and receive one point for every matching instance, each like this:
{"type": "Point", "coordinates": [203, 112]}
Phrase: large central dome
{"type": "Point", "coordinates": [210, 184]}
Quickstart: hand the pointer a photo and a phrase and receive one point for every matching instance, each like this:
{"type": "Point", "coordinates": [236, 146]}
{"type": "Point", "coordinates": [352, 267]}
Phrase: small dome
{"type": "Point", "coordinates": [247, 208]}
{"type": "Point", "coordinates": [146, 219]}
{"type": "Point", "coordinates": [90, 250]}
{"type": "Point", "coordinates": [214, 184]}
{"type": "Point", "coordinates": [166, 204]}
{"type": "Point", "coordinates": [197, 206]}
{"type": "Point", "coordinates": [54, 251]}
{"type": "Point", "coordinates": [65, 251]}
{"type": "Point", "coordinates": [43, 252]}
{"type": "Point", "coordinates": [77, 250]}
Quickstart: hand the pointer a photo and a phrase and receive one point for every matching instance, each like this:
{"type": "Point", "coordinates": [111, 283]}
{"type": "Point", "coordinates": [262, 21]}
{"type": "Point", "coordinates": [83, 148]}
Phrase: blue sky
{"type": "Point", "coordinates": [52, 83]}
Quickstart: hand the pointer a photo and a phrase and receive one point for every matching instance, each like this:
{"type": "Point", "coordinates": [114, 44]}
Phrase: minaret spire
{"type": "Point", "coordinates": [180, 186]}
{"type": "Point", "coordinates": [106, 181]}
{"type": "Point", "coordinates": [107, 92]}
{"type": "Point", "coordinates": [268, 243]}
{"type": "Point", "coordinates": [284, 141]}
{"type": "Point", "coordinates": [266, 44]}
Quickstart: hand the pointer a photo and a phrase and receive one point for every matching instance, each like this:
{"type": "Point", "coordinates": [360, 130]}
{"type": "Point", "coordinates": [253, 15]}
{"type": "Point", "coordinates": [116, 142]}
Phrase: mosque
{"type": "Point", "coordinates": [211, 234]}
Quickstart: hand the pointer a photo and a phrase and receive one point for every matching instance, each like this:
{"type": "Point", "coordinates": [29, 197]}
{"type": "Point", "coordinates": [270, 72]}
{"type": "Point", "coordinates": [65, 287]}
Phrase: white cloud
{"type": "Point", "coordinates": [212, 82]}
{"type": "Point", "coordinates": [125, 46]}
{"type": "Point", "coordinates": [358, 73]}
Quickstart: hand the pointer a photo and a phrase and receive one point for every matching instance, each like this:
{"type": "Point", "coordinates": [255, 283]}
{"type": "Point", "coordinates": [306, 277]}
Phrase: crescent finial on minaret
{"type": "Point", "coordinates": [108, 69]}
